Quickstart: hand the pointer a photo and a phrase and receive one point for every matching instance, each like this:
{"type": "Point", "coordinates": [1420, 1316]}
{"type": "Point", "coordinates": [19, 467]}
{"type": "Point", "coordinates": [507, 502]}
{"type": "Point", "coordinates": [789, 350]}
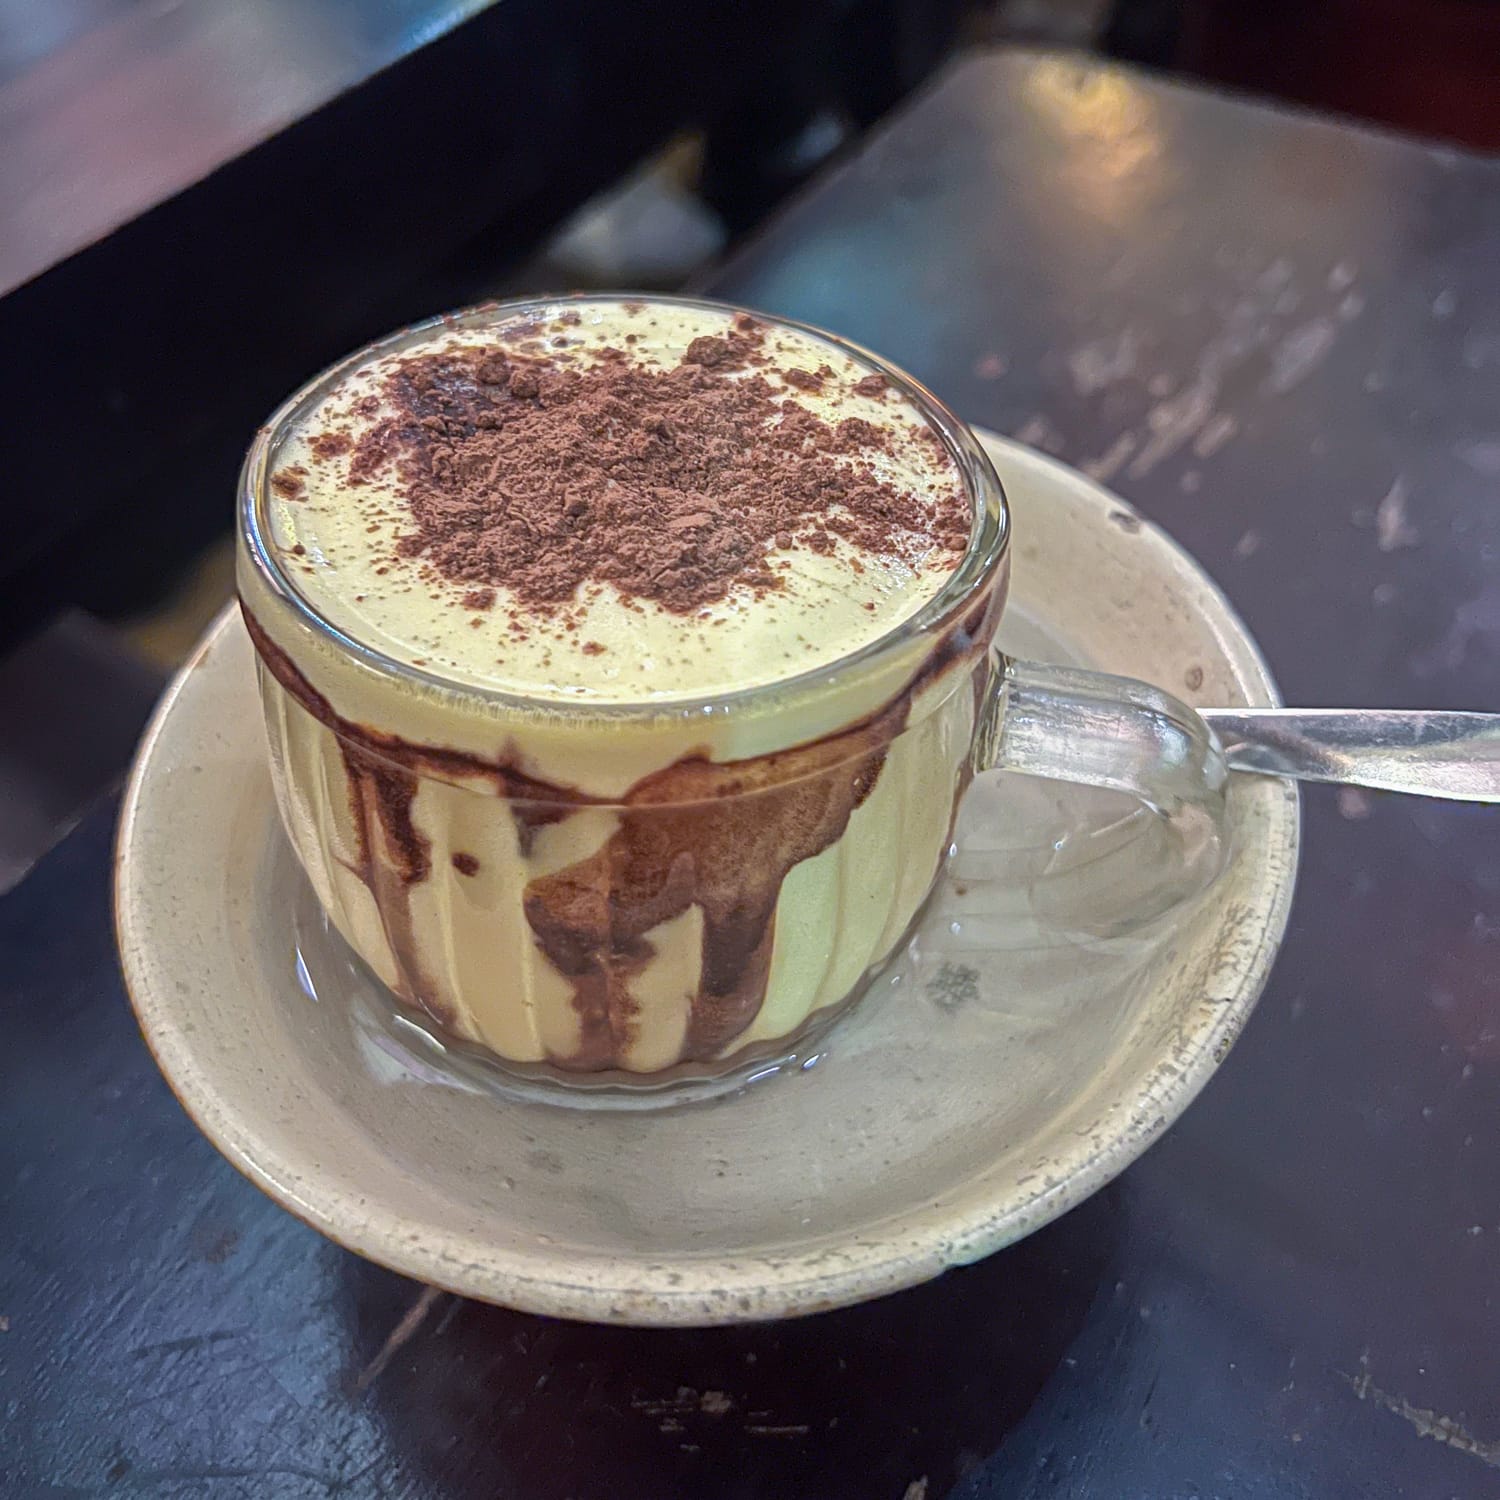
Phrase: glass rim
{"type": "Point", "coordinates": [989, 535]}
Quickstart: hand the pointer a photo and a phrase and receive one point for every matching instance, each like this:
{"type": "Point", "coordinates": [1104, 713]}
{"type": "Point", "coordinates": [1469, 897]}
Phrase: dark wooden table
{"type": "Point", "coordinates": [1281, 338]}
{"type": "Point", "coordinates": [285, 179]}
{"type": "Point", "coordinates": [108, 108]}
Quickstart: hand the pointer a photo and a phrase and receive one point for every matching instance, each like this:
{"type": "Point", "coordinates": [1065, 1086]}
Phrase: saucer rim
{"type": "Point", "coordinates": [922, 1241]}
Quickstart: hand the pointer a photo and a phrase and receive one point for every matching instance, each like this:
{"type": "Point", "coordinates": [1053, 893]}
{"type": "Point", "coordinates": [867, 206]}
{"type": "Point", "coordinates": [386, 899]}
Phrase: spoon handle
{"type": "Point", "coordinates": [1428, 753]}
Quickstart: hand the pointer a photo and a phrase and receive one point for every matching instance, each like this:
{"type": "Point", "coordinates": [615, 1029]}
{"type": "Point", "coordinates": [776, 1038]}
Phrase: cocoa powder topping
{"type": "Point", "coordinates": [326, 445]}
{"type": "Point", "coordinates": [543, 474]}
{"type": "Point", "coordinates": [290, 484]}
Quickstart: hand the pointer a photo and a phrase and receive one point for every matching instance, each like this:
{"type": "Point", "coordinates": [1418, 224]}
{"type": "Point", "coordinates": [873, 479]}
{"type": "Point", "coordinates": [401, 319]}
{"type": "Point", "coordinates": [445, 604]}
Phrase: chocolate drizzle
{"type": "Point", "coordinates": [721, 836]}
{"type": "Point", "coordinates": [391, 854]}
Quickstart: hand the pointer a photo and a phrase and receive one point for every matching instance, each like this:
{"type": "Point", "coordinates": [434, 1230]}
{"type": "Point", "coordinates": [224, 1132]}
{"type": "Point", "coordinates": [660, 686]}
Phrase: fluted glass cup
{"type": "Point", "coordinates": [636, 893]}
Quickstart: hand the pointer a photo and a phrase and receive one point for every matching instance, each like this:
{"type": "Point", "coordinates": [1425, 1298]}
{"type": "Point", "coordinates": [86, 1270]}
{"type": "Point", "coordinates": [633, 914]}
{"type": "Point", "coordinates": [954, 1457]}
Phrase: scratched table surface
{"type": "Point", "coordinates": [1278, 336]}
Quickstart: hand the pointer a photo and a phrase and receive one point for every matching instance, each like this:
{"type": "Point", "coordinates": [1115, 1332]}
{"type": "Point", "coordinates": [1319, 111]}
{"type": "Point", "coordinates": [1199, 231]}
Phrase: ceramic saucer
{"type": "Point", "coordinates": [1016, 1057]}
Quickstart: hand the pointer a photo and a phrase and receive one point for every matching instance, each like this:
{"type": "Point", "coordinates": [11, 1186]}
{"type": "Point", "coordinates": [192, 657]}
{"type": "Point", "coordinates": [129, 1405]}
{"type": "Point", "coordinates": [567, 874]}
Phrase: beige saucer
{"type": "Point", "coordinates": [1017, 1057]}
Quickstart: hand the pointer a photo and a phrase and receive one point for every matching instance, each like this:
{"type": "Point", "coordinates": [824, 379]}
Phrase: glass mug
{"type": "Point", "coordinates": [634, 894]}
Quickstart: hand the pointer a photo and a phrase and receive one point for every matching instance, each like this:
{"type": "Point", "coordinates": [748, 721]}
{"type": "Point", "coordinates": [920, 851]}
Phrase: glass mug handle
{"type": "Point", "coordinates": [1097, 730]}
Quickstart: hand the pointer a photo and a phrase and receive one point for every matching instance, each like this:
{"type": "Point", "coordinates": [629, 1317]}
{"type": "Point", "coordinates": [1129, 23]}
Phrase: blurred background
{"type": "Point", "coordinates": [204, 201]}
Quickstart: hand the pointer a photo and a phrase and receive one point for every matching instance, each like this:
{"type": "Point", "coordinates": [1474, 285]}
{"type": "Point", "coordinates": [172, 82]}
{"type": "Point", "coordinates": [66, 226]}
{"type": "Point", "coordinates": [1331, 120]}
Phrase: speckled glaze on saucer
{"type": "Point", "coordinates": [1026, 1047]}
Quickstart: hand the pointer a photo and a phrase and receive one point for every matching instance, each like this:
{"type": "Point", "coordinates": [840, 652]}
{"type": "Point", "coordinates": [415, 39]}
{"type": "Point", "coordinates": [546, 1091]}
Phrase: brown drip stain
{"type": "Point", "coordinates": [391, 854]}
{"type": "Point", "coordinates": [721, 836]}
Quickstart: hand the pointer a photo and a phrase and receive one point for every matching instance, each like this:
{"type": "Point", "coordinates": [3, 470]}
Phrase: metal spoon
{"type": "Point", "coordinates": [1427, 753]}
